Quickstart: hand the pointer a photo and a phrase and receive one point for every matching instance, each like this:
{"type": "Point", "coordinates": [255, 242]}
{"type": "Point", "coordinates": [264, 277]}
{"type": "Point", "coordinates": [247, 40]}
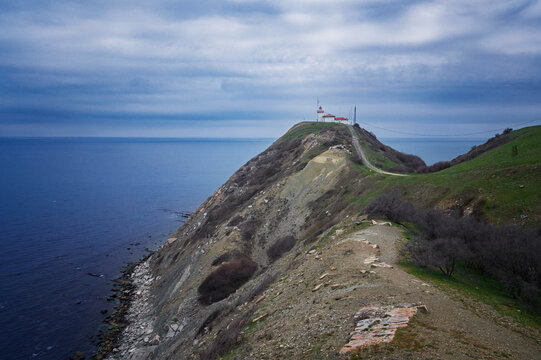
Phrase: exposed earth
{"type": "Point", "coordinates": [280, 263]}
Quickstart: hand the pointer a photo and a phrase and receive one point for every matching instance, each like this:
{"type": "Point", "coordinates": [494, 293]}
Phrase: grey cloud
{"type": "Point", "coordinates": [128, 62]}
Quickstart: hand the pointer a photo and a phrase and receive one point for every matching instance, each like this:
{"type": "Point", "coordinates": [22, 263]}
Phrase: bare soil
{"type": "Point", "coordinates": [300, 322]}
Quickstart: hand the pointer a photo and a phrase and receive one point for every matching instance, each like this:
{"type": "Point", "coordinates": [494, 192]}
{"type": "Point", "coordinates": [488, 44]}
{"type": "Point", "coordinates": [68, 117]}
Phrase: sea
{"type": "Point", "coordinates": [75, 211]}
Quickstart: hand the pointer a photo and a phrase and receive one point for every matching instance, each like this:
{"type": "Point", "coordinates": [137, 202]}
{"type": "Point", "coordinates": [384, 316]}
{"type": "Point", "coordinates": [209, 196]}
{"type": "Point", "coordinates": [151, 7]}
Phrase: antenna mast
{"type": "Point", "coordinates": [355, 115]}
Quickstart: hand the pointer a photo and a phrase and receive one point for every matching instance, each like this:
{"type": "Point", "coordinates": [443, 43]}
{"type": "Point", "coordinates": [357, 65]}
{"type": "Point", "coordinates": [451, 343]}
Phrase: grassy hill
{"type": "Point", "coordinates": [497, 185]}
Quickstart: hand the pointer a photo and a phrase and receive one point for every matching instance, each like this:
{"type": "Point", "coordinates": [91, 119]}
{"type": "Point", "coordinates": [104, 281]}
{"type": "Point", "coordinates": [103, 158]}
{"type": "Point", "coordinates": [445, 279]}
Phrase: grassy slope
{"type": "Point", "coordinates": [495, 176]}
{"type": "Point", "coordinates": [303, 129]}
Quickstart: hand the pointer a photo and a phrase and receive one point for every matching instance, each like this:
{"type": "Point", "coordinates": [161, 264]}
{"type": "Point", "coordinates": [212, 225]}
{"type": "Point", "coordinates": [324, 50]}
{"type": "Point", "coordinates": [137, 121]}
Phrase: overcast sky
{"type": "Point", "coordinates": [243, 68]}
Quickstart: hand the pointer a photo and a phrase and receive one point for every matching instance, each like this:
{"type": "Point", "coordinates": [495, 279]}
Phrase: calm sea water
{"type": "Point", "coordinates": [432, 150]}
{"type": "Point", "coordinates": [70, 207]}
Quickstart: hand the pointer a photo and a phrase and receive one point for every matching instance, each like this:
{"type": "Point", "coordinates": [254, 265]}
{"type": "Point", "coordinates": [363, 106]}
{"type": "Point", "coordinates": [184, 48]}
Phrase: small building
{"type": "Point", "coordinates": [320, 113]}
{"type": "Point", "coordinates": [330, 117]}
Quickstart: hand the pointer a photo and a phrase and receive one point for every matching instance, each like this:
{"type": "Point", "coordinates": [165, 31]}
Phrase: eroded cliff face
{"type": "Point", "coordinates": [274, 196]}
{"type": "Point", "coordinates": [279, 264]}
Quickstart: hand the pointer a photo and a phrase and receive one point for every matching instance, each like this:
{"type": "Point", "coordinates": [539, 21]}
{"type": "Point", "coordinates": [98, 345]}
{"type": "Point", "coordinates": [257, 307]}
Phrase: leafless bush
{"type": "Point", "coordinates": [391, 207]}
{"type": "Point", "coordinates": [510, 254]}
{"type": "Point", "coordinates": [280, 247]}
{"type": "Point", "coordinates": [434, 167]}
{"type": "Point", "coordinates": [226, 279]}
{"type": "Point", "coordinates": [249, 228]}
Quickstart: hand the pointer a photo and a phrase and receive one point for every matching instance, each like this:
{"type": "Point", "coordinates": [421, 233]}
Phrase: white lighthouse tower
{"type": "Point", "coordinates": [320, 113]}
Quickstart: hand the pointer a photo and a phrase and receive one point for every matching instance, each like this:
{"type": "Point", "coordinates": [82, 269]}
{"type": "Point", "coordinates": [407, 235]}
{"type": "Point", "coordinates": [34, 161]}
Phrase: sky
{"type": "Point", "coordinates": [246, 68]}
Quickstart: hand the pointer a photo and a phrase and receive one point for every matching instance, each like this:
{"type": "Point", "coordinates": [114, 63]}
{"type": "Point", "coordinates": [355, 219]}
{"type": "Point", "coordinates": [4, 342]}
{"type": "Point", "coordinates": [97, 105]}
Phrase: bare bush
{"type": "Point", "coordinates": [510, 254]}
{"type": "Point", "coordinates": [249, 229]}
{"type": "Point", "coordinates": [441, 165]}
{"type": "Point", "coordinates": [225, 280]}
{"type": "Point", "coordinates": [280, 247]}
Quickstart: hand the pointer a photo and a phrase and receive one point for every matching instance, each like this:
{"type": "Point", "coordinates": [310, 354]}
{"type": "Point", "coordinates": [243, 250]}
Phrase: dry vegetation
{"type": "Point", "coordinates": [508, 253]}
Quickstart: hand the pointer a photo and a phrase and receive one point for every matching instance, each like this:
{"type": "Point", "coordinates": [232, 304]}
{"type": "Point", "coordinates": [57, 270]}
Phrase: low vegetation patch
{"type": "Point", "coordinates": [510, 254]}
{"type": "Point", "coordinates": [280, 247]}
{"type": "Point", "coordinates": [226, 279]}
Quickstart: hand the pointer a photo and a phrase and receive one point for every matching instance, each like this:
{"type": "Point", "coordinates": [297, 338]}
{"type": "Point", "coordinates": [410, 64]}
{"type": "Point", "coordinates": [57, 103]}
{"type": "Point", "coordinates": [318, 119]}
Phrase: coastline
{"type": "Point", "coordinates": [131, 289]}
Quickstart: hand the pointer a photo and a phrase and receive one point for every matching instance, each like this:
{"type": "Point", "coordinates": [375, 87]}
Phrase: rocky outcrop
{"type": "Point", "coordinates": [378, 324]}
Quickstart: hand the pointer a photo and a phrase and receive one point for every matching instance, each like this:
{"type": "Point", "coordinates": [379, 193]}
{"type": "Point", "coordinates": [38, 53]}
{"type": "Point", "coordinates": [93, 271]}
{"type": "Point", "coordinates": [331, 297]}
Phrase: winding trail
{"type": "Point", "coordinates": [359, 149]}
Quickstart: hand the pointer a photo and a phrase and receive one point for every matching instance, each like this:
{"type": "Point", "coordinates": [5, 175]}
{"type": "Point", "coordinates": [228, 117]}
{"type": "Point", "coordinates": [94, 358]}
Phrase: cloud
{"type": "Point", "coordinates": [109, 62]}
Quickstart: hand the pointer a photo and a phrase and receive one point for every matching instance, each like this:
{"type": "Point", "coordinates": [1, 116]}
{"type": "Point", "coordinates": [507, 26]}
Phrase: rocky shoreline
{"type": "Point", "coordinates": [124, 329]}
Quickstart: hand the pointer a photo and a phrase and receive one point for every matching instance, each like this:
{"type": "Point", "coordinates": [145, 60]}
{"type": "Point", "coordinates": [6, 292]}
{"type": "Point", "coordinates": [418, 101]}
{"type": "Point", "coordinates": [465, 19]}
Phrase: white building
{"type": "Point", "coordinates": [320, 113]}
{"type": "Point", "coordinates": [330, 117]}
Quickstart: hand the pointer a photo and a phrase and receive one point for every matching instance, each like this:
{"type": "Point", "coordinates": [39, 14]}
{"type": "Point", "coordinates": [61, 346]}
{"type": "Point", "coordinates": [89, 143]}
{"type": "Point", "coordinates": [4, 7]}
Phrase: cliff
{"type": "Point", "coordinates": [277, 262]}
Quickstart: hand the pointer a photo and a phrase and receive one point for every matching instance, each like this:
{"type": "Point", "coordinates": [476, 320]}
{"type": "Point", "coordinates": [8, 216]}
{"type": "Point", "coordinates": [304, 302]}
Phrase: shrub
{"type": "Point", "coordinates": [510, 254]}
{"type": "Point", "coordinates": [434, 167]}
{"type": "Point", "coordinates": [225, 280]}
{"type": "Point", "coordinates": [280, 247]}
{"type": "Point", "coordinates": [249, 228]}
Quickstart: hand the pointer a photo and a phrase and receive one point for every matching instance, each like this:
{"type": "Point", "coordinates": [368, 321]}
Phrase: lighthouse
{"type": "Point", "coordinates": [320, 113]}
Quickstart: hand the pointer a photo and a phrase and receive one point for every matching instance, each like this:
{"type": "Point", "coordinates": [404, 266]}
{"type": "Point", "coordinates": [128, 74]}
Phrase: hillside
{"type": "Point", "coordinates": [496, 186]}
{"type": "Point", "coordinates": [277, 262]}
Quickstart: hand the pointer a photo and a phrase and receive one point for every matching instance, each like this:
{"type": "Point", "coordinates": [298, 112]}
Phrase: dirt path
{"type": "Point", "coordinates": [359, 149]}
{"type": "Point", "coordinates": [308, 314]}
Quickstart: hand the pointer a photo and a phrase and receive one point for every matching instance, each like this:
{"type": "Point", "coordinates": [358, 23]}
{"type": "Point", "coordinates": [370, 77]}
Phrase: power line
{"type": "Point", "coordinates": [446, 135]}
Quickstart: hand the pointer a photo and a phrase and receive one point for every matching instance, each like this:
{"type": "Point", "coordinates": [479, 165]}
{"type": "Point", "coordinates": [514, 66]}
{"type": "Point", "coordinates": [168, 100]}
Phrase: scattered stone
{"type": "Point", "coordinates": [333, 268]}
{"type": "Point", "coordinates": [323, 276]}
{"type": "Point", "coordinates": [381, 265]}
{"type": "Point", "coordinates": [374, 222]}
{"type": "Point", "coordinates": [375, 246]}
{"type": "Point", "coordinates": [259, 318]}
{"type": "Point", "coordinates": [521, 186]}
{"type": "Point", "coordinates": [261, 298]}
{"type": "Point", "coordinates": [318, 257]}
{"type": "Point", "coordinates": [311, 252]}
{"type": "Point", "coordinates": [371, 259]}
{"type": "Point", "coordinates": [317, 287]}
{"type": "Point", "coordinates": [171, 240]}
{"type": "Point", "coordinates": [376, 325]}
{"type": "Point", "coordinates": [336, 286]}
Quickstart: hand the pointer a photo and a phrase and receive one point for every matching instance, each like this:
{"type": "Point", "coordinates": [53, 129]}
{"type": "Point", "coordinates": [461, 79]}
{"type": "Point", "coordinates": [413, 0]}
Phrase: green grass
{"type": "Point", "coordinates": [306, 128]}
{"type": "Point", "coordinates": [480, 287]}
{"type": "Point", "coordinates": [376, 158]}
{"type": "Point", "coordinates": [496, 176]}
